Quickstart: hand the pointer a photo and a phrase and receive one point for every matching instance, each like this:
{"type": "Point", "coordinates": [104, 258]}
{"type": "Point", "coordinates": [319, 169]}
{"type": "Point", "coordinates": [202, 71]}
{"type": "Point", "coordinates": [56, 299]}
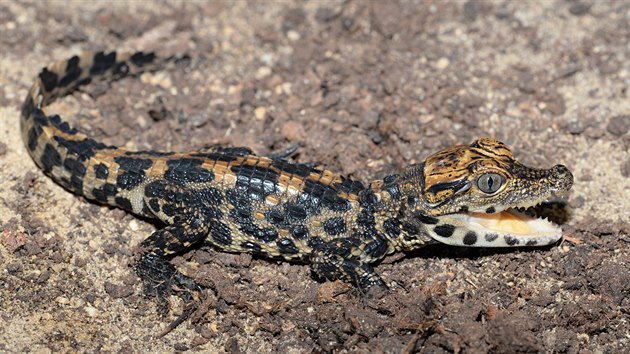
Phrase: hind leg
{"type": "Point", "coordinates": [158, 275]}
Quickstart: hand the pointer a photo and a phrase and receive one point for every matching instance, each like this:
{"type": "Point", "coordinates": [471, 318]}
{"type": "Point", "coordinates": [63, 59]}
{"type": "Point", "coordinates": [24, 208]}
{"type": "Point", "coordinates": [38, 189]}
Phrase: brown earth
{"type": "Point", "coordinates": [367, 88]}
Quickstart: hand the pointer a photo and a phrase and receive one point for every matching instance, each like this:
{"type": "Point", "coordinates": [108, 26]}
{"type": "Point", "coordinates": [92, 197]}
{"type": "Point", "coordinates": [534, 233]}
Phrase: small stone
{"type": "Point", "coordinates": [263, 72]}
{"type": "Point", "coordinates": [133, 225]}
{"type": "Point", "coordinates": [442, 63]}
{"type": "Point", "coordinates": [91, 311]}
{"type": "Point", "coordinates": [580, 8]}
{"type": "Point", "coordinates": [166, 83]}
{"type": "Point", "coordinates": [260, 113]}
{"type": "Point", "coordinates": [575, 127]}
{"type": "Point", "coordinates": [293, 36]}
{"type": "Point", "coordinates": [619, 125]}
{"type": "Point", "coordinates": [625, 168]}
{"type": "Point", "coordinates": [293, 131]}
{"type": "Point", "coordinates": [577, 202]}
{"type": "Point", "coordinates": [118, 291]}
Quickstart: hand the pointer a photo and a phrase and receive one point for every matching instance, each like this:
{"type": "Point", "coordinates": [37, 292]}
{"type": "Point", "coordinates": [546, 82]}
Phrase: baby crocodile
{"type": "Point", "coordinates": [464, 195]}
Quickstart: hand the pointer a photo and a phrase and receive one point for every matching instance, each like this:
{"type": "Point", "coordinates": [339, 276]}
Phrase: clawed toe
{"type": "Point", "coordinates": [161, 280]}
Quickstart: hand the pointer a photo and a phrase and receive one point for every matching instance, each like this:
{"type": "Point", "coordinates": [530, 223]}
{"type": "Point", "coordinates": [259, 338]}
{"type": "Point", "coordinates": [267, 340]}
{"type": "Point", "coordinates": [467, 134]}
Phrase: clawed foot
{"type": "Point", "coordinates": [161, 279]}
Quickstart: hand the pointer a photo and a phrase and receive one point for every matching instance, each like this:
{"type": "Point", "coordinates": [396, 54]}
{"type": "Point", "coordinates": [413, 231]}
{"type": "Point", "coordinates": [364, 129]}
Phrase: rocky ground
{"type": "Point", "coordinates": [366, 88]}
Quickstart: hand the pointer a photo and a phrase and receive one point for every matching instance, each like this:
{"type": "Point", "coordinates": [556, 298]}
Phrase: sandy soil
{"type": "Point", "coordinates": [367, 88]}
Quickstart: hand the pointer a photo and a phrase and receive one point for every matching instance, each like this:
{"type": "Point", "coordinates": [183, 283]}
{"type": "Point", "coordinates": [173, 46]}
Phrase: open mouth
{"type": "Point", "coordinates": [532, 226]}
{"type": "Point", "coordinates": [515, 222]}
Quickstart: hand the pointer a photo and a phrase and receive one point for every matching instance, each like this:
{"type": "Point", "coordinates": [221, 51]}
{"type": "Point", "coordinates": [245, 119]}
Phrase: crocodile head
{"type": "Point", "coordinates": [471, 195]}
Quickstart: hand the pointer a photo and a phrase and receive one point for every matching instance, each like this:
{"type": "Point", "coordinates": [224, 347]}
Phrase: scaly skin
{"type": "Point", "coordinates": [240, 202]}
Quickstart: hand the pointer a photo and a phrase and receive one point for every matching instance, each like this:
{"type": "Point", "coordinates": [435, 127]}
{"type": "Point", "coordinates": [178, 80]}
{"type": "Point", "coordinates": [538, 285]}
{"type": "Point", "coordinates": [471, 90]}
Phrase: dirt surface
{"type": "Point", "coordinates": [366, 88]}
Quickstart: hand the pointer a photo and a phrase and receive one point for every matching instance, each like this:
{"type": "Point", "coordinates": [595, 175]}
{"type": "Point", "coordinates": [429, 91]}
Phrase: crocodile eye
{"type": "Point", "coordinates": [490, 182]}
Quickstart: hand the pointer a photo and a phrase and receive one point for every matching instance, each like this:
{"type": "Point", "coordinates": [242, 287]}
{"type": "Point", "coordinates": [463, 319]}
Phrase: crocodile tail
{"type": "Point", "coordinates": [58, 149]}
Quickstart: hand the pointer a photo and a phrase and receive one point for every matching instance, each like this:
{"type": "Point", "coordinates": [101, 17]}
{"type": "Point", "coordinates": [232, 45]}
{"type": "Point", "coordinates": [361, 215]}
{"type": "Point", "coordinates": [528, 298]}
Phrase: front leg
{"type": "Point", "coordinates": [158, 275]}
{"type": "Point", "coordinates": [343, 259]}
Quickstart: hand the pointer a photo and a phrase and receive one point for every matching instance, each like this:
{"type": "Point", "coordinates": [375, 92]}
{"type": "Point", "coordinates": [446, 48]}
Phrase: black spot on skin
{"type": "Point", "coordinates": [267, 234]}
{"type": "Point", "coordinates": [490, 210]}
{"type": "Point", "coordinates": [470, 238]}
{"type": "Point", "coordinates": [101, 171]}
{"type": "Point", "coordinates": [131, 171]}
{"type": "Point", "coordinates": [367, 222]}
{"type": "Point", "coordinates": [130, 180]}
{"type": "Point", "coordinates": [275, 217]}
{"type": "Point", "coordinates": [140, 58]}
{"type": "Point", "coordinates": [213, 213]}
{"type": "Point", "coordinates": [295, 211]}
{"type": "Point", "coordinates": [106, 190]}
{"type": "Point", "coordinates": [49, 79]}
{"type": "Point", "coordinates": [73, 72]}
{"type": "Point", "coordinates": [61, 125]}
{"type": "Point", "coordinates": [531, 243]}
{"type": "Point", "coordinates": [74, 167]}
{"type": "Point", "coordinates": [334, 226]}
{"type": "Point", "coordinates": [186, 170]}
{"type": "Point", "coordinates": [350, 186]}
{"type": "Point", "coordinates": [319, 194]}
{"type": "Point", "coordinates": [334, 202]}
{"type": "Point", "coordinates": [40, 118]}
{"type": "Point", "coordinates": [76, 184]}
{"type": "Point", "coordinates": [133, 164]}
{"type": "Point", "coordinates": [33, 135]}
{"type": "Point", "coordinates": [286, 246]}
{"type": "Point", "coordinates": [251, 247]}
{"type": "Point", "coordinates": [463, 209]}
{"type": "Point", "coordinates": [257, 181]}
{"type": "Point", "coordinates": [299, 232]}
{"type": "Point", "coordinates": [154, 205]}
{"type": "Point", "coordinates": [209, 196]}
{"type": "Point", "coordinates": [123, 203]}
{"type": "Point", "coordinates": [491, 237]}
{"type": "Point", "coordinates": [393, 190]}
{"type": "Point", "coordinates": [411, 229]}
{"type": "Point", "coordinates": [367, 198]}
{"type": "Point", "coordinates": [155, 189]}
{"type": "Point", "coordinates": [296, 169]}
{"type": "Point", "coordinates": [444, 230]}
{"type": "Point", "coordinates": [102, 62]}
{"type": "Point", "coordinates": [426, 219]}
{"type": "Point", "coordinates": [390, 179]}
{"type": "Point", "coordinates": [82, 149]}
{"type": "Point", "coordinates": [169, 209]}
{"type": "Point", "coordinates": [511, 241]}
{"type": "Point", "coordinates": [392, 227]}
{"type": "Point", "coordinates": [50, 157]}
{"type": "Point", "coordinates": [315, 242]}
{"type": "Point", "coordinates": [220, 233]}
{"type": "Point", "coordinates": [242, 212]}
{"type": "Point", "coordinates": [376, 248]}
{"type": "Point", "coordinates": [28, 107]}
